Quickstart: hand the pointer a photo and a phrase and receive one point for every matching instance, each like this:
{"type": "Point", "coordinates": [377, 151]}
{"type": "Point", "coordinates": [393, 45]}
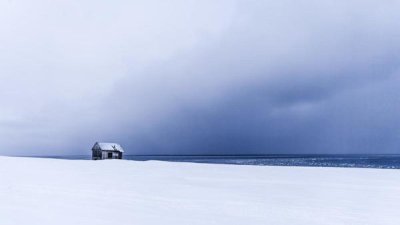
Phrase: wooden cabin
{"type": "Point", "coordinates": [102, 150]}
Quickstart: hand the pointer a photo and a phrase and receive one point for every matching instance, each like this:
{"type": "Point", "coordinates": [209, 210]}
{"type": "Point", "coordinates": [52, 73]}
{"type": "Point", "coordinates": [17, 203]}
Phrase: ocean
{"type": "Point", "coordinates": [356, 161]}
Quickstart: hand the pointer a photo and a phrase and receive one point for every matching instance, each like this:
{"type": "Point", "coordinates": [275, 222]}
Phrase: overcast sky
{"type": "Point", "coordinates": [200, 77]}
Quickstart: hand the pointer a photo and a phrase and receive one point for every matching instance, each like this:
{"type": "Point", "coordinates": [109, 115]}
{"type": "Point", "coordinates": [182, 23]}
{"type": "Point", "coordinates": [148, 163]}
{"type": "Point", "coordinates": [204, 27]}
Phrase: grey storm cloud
{"type": "Point", "coordinates": [200, 77]}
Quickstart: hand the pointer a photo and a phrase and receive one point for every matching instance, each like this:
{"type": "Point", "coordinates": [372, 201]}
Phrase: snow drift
{"type": "Point", "coordinates": [50, 191]}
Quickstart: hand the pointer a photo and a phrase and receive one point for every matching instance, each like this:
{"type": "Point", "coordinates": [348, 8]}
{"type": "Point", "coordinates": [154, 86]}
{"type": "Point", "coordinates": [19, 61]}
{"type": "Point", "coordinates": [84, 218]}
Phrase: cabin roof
{"type": "Point", "coordinates": [107, 147]}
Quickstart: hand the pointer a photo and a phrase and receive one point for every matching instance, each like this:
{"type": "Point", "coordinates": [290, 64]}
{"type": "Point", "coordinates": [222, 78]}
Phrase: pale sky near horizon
{"type": "Point", "coordinates": [200, 77]}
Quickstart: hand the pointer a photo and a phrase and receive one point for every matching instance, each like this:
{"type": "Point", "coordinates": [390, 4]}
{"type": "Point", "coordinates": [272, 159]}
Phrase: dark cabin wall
{"type": "Point", "coordinates": [98, 154]}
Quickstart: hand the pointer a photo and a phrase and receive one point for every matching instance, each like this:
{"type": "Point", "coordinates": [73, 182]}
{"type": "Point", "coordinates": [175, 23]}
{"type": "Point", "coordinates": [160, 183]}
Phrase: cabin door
{"type": "Point", "coordinates": [109, 155]}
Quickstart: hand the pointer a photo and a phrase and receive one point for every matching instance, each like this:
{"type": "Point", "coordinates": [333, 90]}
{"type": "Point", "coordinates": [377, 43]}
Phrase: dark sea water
{"type": "Point", "coordinates": [357, 161]}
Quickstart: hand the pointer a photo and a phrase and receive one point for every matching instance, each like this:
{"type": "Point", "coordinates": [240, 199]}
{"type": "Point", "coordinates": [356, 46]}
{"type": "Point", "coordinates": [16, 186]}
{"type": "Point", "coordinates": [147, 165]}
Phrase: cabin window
{"type": "Point", "coordinates": [110, 155]}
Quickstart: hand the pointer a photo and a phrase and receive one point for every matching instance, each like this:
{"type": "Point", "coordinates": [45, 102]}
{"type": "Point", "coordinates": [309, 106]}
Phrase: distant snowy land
{"type": "Point", "coordinates": [38, 191]}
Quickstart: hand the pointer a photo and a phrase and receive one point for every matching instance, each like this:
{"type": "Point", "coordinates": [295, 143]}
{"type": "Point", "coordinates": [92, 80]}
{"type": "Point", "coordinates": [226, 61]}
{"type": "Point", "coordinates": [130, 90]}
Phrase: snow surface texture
{"type": "Point", "coordinates": [51, 191]}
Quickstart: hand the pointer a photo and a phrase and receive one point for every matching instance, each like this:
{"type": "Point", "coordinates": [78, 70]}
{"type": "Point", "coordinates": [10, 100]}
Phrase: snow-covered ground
{"type": "Point", "coordinates": [76, 192]}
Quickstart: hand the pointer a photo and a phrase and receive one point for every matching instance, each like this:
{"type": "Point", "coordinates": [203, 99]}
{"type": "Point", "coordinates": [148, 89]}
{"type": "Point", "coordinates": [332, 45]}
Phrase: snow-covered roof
{"type": "Point", "coordinates": [107, 147]}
